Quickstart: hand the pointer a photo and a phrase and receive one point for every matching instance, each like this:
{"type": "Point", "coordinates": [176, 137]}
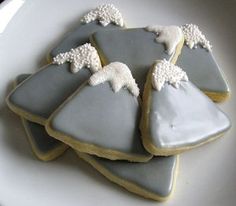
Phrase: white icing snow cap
{"type": "Point", "coordinates": [118, 74]}
{"type": "Point", "coordinates": [105, 14]}
{"type": "Point", "coordinates": [166, 72]}
{"type": "Point", "coordinates": [171, 36]}
{"type": "Point", "coordinates": [82, 56]}
{"type": "Point", "coordinates": [193, 36]}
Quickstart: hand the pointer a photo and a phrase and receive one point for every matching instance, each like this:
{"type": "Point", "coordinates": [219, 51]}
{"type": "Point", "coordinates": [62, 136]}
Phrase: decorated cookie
{"type": "Point", "coordinates": [139, 47]}
{"type": "Point", "coordinates": [176, 115]}
{"type": "Point", "coordinates": [154, 179]}
{"type": "Point", "coordinates": [102, 116]}
{"type": "Point", "coordinates": [44, 147]}
{"type": "Point", "coordinates": [41, 94]}
{"type": "Point", "coordinates": [198, 61]}
{"type": "Point", "coordinates": [103, 17]}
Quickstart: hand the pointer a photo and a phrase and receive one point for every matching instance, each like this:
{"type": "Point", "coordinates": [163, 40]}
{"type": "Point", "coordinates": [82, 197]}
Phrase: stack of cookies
{"type": "Point", "coordinates": [128, 101]}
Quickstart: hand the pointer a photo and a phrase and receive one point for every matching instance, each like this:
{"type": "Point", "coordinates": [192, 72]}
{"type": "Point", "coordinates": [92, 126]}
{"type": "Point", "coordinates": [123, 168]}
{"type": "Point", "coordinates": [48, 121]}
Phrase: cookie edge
{"type": "Point", "coordinates": [86, 147]}
{"type": "Point", "coordinates": [129, 185]}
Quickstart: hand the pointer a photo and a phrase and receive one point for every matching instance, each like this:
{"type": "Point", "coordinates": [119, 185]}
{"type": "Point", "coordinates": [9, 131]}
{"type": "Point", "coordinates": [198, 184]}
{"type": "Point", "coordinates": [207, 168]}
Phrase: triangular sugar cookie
{"type": "Point", "coordinates": [176, 115]}
{"type": "Point", "coordinates": [198, 61]}
{"type": "Point", "coordinates": [43, 92]}
{"type": "Point", "coordinates": [102, 116]}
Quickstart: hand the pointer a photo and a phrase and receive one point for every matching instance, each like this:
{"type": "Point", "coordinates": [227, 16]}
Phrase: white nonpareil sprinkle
{"type": "Point", "coordinates": [171, 36]}
{"type": "Point", "coordinates": [164, 71]}
{"type": "Point", "coordinates": [193, 36]}
{"type": "Point", "coordinates": [105, 14]}
{"type": "Point", "coordinates": [118, 74]}
{"type": "Point", "coordinates": [82, 56]}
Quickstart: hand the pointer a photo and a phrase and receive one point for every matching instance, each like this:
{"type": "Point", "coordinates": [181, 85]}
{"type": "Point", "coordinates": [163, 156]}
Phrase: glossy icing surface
{"type": "Point", "coordinates": [45, 91]}
{"type": "Point", "coordinates": [42, 141]}
{"type": "Point", "coordinates": [183, 117]}
{"type": "Point", "coordinates": [202, 69]}
{"type": "Point", "coordinates": [137, 48]}
{"type": "Point", "coordinates": [156, 175]}
{"type": "Point", "coordinates": [97, 115]}
{"type": "Point", "coordinates": [79, 36]}
{"type": "Point", "coordinates": [129, 47]}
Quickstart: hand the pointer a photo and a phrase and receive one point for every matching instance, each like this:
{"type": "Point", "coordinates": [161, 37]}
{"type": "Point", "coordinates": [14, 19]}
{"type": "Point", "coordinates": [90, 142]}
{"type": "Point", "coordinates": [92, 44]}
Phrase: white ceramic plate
{"type": "Point", "coordinates": [207, 175]}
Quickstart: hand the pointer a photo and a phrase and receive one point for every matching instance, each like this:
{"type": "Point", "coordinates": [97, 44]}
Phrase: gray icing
{"type": "Point", "coordinates": [41, 94]}
{"type": "Point", "coordinates": [156, 175]}
{"type": "Point", "coordinates": [43, 142]}
{"type": "Point", "coordinates": [202, 69]}
{"type": "Point", "coordinates": [97, 115]}
{"type": "Point", "coordinates": [137, 48]}
{"type": "Point", "coordinates": [183, 117]}
{"type": "Point", "coordinates": [46, 90]}
{"type": "Point", "coordinates": [79, 36]}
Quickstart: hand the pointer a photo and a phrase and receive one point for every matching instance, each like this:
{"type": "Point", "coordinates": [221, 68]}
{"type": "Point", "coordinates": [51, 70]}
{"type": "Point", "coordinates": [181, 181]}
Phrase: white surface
{"type": "Point", "coordinates": [207, 175]}
{"type": "Point", "coordinates": [7, 10]}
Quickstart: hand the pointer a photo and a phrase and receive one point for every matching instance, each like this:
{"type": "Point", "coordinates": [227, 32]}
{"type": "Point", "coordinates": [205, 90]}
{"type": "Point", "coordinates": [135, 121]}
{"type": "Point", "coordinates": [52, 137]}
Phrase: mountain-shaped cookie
{"type": "Point", "coordinates": [103, 17]}
{"type": "Point", "coordinates": [139, 47]}
{"type": "Point", "coordinates": [43, 146]}
{"type": "Point", "coordinates": [198, 61]}
{"type": "Point", "coordinates": [154, 179]}
{"type": "Point", "coordinates": [43, 92]}
{"type": "Point", "coordinates": [176, 115]}
{"type": "Point", "coordinates": [102, 116]}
